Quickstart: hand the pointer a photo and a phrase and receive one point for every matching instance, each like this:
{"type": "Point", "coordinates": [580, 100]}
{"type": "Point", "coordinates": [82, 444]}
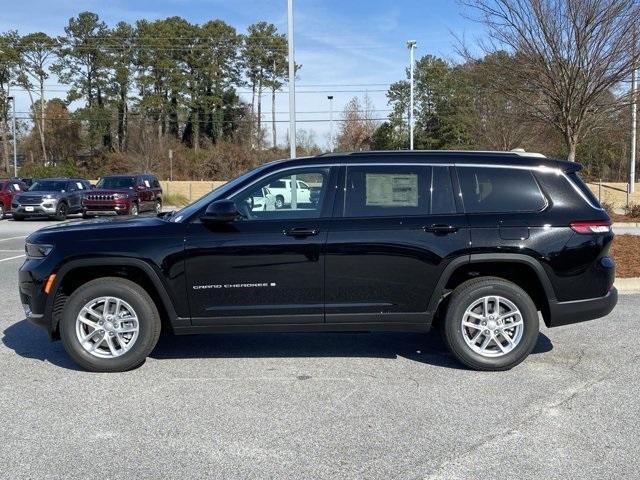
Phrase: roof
{"type": "Point", "coordinates": [515, 158]}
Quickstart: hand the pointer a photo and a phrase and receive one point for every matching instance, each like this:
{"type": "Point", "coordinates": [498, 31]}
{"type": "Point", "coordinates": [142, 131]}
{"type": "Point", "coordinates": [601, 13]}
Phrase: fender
{"type": "Point", "coordinates": [151, 273]}
{"type": "Point", "coordinates": [486, 258]}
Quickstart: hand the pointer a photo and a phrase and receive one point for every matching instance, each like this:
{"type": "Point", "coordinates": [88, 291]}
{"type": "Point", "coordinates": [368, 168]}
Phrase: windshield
{"type": "Point", "coordinates": [48, 186]}
{"type": "Point", "coordinates": [215, 194]}
{"type": "Point", "coordinates": [116, 182]}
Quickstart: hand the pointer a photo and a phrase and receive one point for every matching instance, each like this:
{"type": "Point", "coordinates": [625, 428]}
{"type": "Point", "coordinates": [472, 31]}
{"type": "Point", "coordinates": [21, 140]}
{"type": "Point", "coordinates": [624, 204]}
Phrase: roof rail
{"type": "Point", "coordinates": [516, 151]}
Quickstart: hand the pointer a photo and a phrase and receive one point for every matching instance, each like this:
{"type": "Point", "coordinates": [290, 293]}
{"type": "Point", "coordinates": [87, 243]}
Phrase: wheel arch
{"type": "Point", "coordinates": [522, 270]}
{"type": "Point", "coordinates": [76, 272]}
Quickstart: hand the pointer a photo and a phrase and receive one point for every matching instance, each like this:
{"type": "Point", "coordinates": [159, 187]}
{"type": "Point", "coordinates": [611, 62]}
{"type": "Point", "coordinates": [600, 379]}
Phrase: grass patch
{"type": "Point", "coordinates": [175, 199]}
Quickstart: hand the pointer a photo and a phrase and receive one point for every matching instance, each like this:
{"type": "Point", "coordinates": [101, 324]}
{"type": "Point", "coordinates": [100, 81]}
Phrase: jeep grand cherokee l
{"type": "Point", "coordinates": [478, 243]}
{"type": "Point", "coordinates": [50, 197]}
{"type": "Point", "coordinates": [123, 195]}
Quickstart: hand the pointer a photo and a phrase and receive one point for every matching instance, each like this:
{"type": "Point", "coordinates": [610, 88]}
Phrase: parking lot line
{"type": "Point", "coordinates": [11, 258]}
{"type": "Point", "coordinates": [12, 238]}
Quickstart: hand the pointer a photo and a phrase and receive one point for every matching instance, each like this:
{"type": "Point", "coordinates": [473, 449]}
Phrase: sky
{"type": "Point", "coordinates": [346, 48]}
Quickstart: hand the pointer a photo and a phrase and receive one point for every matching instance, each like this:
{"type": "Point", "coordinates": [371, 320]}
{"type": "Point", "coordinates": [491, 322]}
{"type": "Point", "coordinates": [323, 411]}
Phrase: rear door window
{"type": "Point", "coordinates": [387, 190]}
{"type": "Point", "coordinates": [500, 190]}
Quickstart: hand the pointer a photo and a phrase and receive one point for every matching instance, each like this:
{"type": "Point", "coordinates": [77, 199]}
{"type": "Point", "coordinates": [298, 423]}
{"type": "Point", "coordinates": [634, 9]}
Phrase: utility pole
{"type": "Point", "coordinates": [330, 97]}
{"type": "Point", "coordinates": [292, 83]}
{"type": "Point", "coordinates": [13, 126]}
{"type": "Point", "coordinates": [634, 127]}
{"type": "Point", "coordinates": [411, 45]}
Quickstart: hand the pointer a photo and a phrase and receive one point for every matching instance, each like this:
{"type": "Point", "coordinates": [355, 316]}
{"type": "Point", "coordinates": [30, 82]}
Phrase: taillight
{"type": "Point", "coordinates": [594, 226]}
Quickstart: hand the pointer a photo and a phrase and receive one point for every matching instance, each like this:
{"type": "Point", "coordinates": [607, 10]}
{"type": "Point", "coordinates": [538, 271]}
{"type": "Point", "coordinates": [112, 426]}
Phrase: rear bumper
{"type": "Point", "coordinates": [565, 313]}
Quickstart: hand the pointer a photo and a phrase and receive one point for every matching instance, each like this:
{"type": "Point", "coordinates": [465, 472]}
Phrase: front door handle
{"type": "Point", "coordinates": [441, 229]}
{"type": "Point", "coordinates": [301, 232]}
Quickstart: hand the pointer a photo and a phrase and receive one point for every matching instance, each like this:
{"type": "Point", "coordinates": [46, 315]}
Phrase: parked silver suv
{"type": "Point", "coordinates": [50, 197]}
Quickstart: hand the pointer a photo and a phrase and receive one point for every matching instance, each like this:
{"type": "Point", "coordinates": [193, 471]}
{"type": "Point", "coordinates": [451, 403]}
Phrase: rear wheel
{"type": "Point", "coordinates": [491, 324]}
{"type": "Point", "coordinates": [134, 210]}
{"type": "Point", "coordinates": [110, 325]}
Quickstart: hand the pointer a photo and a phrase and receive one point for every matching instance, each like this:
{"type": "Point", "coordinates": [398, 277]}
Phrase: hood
{"type": "Point", "coordinates": [109, 191]}
{"type": "Point", "coordinates": [40, 193]}
{"type": "Point", "coordinates": [99, 228]}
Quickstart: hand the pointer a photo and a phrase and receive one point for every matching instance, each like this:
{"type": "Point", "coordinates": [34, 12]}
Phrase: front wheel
{"type": "Point", "coordinates": [2, 212]}
{"type": "Point", "coordinates": [158, 206]}
{"type": "Point", "coordinates": [17, 218]}
{"type": "Point", "coordinates": [110, 325]}
{"type": "Point", "coordinates": [133, 210]}
{"type": "Point", "coordinates": [491, 324]}
{"type": "Point", "coordinates": [61, 212]}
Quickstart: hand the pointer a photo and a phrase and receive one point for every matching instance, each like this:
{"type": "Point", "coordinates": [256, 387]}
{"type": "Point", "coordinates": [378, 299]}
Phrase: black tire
{"type": "Point", "coordinates": [472, 290]}
{"type": "Point", "coordinates": [134, 209]}
{"type": "Point", "coordinates": [130, 292]}
{"type": "Point", "coordinates": [17, 218]}
{"type": "Point", "coordinates": [61, 212]}
{"type": "Point", "coordinates": [2, 211]}
{"type": "Point", "coordinates": [279, 201]}
{"type": "Point", "coordinates": [86, 216]}
{"type": "Point", "coordinates": [158, 206]}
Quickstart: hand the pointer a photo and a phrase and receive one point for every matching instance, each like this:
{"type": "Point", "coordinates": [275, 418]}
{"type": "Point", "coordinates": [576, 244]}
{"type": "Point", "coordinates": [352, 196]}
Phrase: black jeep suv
{"type": "Point", "coordinates": [480, 243]}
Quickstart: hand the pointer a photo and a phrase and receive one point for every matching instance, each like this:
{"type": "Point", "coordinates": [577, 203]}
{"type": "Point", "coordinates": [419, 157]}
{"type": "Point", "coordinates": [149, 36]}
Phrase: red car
{"type": "Point", "coordinates": [123, 195]}
{"type": "Point", "coordinates": [8, 189]}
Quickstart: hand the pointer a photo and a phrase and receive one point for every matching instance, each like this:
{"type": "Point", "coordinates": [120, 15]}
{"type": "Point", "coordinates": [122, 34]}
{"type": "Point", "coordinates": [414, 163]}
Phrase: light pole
{"type": "Point", "coordinates": [292, 83]}
{"type": "Point", "coordinates": [634, 126]}
{"type": "Point", "coordinates": [411, 45]}
{"type": "Point", "coordinates": [330, 97]}
{"type": "Point", "coordinates": [13, 126]}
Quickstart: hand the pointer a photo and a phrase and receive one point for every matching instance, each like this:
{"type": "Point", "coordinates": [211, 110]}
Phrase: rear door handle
{"type": "Point", "coordinates": [301, 232]}
{"type": "Point", "coordinates": [441, 229]}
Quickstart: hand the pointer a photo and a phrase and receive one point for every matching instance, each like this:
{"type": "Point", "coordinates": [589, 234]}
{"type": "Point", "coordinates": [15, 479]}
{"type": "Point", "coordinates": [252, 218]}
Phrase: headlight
{"type": "Point", "coordinates": [37, 250]}
{"type": "Point", "coordinates": [120, 196]}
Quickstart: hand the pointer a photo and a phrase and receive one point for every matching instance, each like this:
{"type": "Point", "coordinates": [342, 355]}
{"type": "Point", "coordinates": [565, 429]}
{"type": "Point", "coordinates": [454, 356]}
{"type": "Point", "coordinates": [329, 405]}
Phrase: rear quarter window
{"type": "Point", "coordinates": [586, 191]}
{"type": "Point", "coordinates": [500, 190]}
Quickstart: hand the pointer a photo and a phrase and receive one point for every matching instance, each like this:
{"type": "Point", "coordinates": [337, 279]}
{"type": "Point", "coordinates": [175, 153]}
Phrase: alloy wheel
{"type": "Point", "coordinates": [492, 326]}
{"type": "Point", "coordinates": [107, 327]}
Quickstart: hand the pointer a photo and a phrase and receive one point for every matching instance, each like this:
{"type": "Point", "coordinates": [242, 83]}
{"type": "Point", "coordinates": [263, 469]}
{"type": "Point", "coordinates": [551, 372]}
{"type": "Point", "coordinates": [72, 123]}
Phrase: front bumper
{"type": "Point", "coordinates": [33, 298]}
{"type": "Point", "coordinates": [46, 208]}
{"type": "Point", "coordinates": [103, 208]}
{"type": "Point", "coordinates": [565, 313]}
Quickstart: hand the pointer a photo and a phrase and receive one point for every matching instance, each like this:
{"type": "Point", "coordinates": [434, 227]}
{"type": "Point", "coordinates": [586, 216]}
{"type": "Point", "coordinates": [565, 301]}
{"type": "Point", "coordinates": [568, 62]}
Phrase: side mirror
{"type": "Point", "coordinates": [220, 211]}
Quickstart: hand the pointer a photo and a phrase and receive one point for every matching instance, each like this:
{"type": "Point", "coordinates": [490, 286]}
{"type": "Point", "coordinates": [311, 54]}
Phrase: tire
{"type": "Point", "coordinates": [86, 217]}
{"type": "Point", "coordinates": [134, 209]}
{"type": "Point", "coordinates": [17, 218]}
{"type": "Point", "coordinates": [521, 338]}
{"type": "Point", "coordinates": [2, 211]}
{"type": "Point", "coordinates": [130, 294]}
{"type": "Point", "coordinates": [61, 211]}
{"type": "Point", "coordinates": [279, 201]}
{"type": "Point", "coordinates": [158, 206]}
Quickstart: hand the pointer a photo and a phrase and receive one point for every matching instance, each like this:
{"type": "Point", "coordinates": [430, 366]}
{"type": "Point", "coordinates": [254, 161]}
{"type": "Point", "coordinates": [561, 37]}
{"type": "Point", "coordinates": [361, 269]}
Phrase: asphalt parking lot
{"type": "Point", "coordinates": [387, 406]}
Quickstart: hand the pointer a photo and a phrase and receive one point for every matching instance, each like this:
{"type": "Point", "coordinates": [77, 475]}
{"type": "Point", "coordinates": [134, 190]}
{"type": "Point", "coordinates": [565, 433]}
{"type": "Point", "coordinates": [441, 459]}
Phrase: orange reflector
{"type": "Point", "coordinates": [49, 284]}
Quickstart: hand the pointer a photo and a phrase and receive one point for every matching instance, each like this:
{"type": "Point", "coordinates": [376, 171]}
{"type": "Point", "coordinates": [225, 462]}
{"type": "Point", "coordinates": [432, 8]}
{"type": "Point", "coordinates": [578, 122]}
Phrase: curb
{"type": "Point", "coordinates": [625, 224]}
{"type": "Point", "coordinates": [628, 285]}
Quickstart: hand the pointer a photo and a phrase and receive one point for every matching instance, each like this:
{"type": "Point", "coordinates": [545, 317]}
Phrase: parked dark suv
{"type": "Point", "coordinates": [124, 195]}
{"type": "Point", "coordinates": [50, 197]}
{"type": "Point", "coordinates": [478, 243]}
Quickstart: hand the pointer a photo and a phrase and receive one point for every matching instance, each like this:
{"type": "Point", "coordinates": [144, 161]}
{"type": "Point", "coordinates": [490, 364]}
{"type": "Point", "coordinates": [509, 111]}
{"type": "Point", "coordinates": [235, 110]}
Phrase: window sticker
{"type": "Point", "coordinates": [80, 186]}
{"type": "Point", "coordinates": [391, 190]}
{"type": "Point", "coordinates": [16, 187]}
{"type": "Point", "coordinates": [146, 182]}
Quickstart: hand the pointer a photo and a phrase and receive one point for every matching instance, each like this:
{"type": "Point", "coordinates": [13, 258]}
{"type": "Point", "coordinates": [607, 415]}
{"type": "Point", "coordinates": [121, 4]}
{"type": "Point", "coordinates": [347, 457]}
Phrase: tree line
{"type": "Point", "coordinates": [550, 76]}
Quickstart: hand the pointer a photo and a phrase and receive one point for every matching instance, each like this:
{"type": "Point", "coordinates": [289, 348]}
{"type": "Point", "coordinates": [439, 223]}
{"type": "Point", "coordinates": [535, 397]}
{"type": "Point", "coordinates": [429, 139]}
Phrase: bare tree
{"type": "Point", "coordinates": [358, 125]}
{"type": "Point", "coordinates": [570, 54]}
